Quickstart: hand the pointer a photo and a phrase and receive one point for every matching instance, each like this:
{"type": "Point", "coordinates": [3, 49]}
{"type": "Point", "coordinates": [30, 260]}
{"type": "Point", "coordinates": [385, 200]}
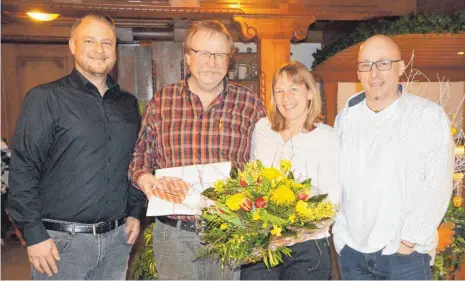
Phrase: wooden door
{"type": "Point", "coordinates": [24, 67]}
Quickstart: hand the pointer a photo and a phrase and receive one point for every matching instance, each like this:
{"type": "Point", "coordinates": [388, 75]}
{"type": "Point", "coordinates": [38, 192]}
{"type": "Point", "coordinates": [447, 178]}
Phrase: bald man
{"type": "Point", "coordinates": [396, 172]}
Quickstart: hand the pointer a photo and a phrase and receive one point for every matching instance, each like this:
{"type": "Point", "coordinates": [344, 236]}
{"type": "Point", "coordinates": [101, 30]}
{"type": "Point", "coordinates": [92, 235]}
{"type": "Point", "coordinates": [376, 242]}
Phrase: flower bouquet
{"type": "Point", "coordinates": [259, 212]}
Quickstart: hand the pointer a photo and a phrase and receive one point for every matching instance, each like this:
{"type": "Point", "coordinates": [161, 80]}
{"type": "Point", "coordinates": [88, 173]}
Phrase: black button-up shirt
{"type": "Point", "coordinates": [72, 149]}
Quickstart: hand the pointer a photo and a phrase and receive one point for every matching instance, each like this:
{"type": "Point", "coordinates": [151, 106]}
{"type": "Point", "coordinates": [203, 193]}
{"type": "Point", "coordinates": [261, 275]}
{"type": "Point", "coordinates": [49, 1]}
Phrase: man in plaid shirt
{"type": "Point", "coordinates": [201, 119]}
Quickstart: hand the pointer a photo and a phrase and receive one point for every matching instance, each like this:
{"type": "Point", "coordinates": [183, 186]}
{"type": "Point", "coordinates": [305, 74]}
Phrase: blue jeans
{"type": "Point", "coordinates": [85, 256]}
{"type": "Point", "coordinates": [355, 265]}
{"type": "Point", "coordinates": [177, 254]}
{"type": "Point", "coordinates": [310, 260]}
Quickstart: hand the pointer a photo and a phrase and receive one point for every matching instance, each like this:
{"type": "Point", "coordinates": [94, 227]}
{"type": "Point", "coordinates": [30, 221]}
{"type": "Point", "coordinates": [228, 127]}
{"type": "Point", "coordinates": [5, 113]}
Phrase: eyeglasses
{"type": "Point", "coordinates": [381, 65]}
{"type": "Point", "coordinates": [205, 56]}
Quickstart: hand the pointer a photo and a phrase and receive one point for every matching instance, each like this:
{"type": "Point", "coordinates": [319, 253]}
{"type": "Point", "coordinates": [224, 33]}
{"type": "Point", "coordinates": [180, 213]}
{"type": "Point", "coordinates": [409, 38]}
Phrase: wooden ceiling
{"type": "Point", "coordinates": [139, 20]}
{"type": "Point", "coordinates": [153, 9]}
{"type": "Point", "coordinates": [433, 54]}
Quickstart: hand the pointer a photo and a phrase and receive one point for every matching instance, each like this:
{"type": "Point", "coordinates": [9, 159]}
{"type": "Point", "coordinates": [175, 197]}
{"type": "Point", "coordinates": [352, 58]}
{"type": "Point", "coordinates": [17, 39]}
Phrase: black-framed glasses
{"type": "Point", "coordinates": [381, 65]}
{"type": "Point", "coordinates": [205, 56]}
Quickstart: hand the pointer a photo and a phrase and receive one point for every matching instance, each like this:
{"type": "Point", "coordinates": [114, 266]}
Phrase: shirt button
{"type": "Point", "coordinates": [109, 159]}
{"type": "Point", "coordinates": [108, 180]}
{"type": "Point", "coordinates": [109, 138]}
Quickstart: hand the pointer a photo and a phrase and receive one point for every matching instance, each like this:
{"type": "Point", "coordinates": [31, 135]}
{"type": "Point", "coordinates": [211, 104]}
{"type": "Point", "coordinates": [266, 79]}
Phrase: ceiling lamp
{"type": "Point", "coordinates": [42, 16]}
{"type": "Point", "coordinates": [461, 53]}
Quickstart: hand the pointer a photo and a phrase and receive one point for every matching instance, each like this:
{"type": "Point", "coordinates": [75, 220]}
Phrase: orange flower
{"type": "Point", "coordinates": [457, 201]}
{"type": "Point", "coordinates": [446, 235]}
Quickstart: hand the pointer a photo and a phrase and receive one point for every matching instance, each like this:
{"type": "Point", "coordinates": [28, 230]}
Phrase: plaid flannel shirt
{"type": "Point", "coordinates": [176, 130]}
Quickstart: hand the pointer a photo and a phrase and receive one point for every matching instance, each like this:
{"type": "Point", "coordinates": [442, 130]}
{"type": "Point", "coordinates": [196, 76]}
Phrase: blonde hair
{"type": "Point", "coordinates": [209, 25]}
{"type": "Point", "coordinates": [298, 74]}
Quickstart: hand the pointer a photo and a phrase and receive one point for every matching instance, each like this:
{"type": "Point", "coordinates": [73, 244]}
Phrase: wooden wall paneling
{"type": "Point", "coordinates": [433, 54]}
{"type": "Point", "coordinates": [135, 70]}
{"type": "Point", "coordinates": [24, 67]}
{"type": "Point", "coordinates": [330, 90]}
{"type": "Point", "coordinates": [168, 58]}
{"type": "Point", "coordinates": [4, 117]}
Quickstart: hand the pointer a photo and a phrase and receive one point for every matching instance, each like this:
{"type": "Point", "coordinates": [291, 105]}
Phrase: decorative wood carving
{"type": "Point", "coordinates": [249, 32]}
{"type": "Point", "coordinates": [281, 27]}
{"type": "Point", "coordinates": [274, 34]}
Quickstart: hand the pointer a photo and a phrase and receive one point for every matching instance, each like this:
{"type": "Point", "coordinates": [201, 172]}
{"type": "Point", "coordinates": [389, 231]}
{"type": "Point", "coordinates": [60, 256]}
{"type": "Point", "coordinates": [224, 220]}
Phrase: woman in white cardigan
{"type": "Point", "coordinates": [294, 132]}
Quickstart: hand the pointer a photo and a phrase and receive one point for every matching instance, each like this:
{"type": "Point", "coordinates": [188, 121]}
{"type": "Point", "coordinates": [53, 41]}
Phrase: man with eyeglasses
{"type": "Point", "coordinates": [396, 172]}
{"type": "Point", "coordinates": [199, 120]}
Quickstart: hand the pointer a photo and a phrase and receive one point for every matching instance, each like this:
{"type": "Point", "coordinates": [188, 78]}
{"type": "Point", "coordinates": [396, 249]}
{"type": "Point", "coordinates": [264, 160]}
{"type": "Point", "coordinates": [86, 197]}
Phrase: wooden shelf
{"type": "Point", "coordinates": [251, 82]}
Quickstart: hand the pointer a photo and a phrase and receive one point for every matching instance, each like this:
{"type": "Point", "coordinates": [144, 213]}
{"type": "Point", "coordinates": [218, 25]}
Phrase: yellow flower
{"type": "Point", "coordinates": [276, 231]}
{"type": "Point", "coordinates": [321, 211]}
{"type": "Point", "coordinates": [271, 173]}
{"type": "Point", "coordinates": [274, 183]}
{"type": "Point", "coordinates": [223, 226]}
{"type": "Point", "coordinates": [301, 208]}
{"type": "Point", "coordinates": [284, 166]}
{"type": "Point", "coordinates": [234, 202]}
{"type": "Point", "coordinates": [282, 195]}
{"type": "Point", "coordinates": [292, 218]}
{"type": "Point", "coordinates": [256, 216]}
{"type": "Point", "coordinates": [219, 186]}
{"type": "Point", "coordinates": [264, 225]}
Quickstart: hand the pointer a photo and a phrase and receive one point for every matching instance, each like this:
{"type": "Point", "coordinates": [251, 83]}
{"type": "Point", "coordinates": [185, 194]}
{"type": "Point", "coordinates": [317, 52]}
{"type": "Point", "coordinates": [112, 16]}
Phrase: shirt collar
{"type": "Point", "coordinates": [361, 96]}
{"type": "Point", "coordinates": [85, 85]}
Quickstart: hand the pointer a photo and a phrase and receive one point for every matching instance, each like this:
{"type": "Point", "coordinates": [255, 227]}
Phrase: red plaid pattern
{"type": "Point", "coordinates": [176, 131]}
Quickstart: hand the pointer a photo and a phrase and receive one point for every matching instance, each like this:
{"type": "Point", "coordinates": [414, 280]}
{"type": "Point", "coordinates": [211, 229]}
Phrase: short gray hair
{"type": "Point", "coordinates": [95, 16]}
{"type": "Point", "coordinates": [212, 26]}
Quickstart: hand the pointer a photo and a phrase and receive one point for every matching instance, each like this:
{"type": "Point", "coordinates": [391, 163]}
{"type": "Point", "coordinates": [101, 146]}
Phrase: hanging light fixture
{"type": "Point", "coordinates": [42, 16]}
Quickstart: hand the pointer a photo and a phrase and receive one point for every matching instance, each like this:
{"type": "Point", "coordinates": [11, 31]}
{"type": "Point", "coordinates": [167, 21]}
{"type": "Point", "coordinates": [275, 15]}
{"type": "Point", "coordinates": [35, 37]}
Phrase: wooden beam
{"type": "Point", "coordinates": [321, 9]}
{"type": "Point", "coordinates": [330, 91]}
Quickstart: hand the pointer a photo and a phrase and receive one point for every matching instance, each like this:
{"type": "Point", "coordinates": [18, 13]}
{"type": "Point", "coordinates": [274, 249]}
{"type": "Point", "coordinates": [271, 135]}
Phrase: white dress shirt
{"type": "Point", "coordinates": [396, 174]}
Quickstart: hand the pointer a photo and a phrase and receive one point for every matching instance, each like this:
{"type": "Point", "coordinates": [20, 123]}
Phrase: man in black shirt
{"type": "Point", "coordinates": [69, 191]}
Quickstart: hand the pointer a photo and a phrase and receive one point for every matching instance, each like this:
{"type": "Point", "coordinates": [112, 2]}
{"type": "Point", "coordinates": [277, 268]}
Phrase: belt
{"type": "Point", "coordinates": [183, 225]}
{"type": "Point", "coordinates": [71, 227]}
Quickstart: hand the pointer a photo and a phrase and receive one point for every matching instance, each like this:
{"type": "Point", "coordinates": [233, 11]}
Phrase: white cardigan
{"type": "Point", "coordinates": [423, 153]}
{"type": "Point", "coordinates": [313, 155]}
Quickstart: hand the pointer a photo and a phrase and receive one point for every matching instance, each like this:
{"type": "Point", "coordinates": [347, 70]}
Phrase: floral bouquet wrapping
{"type": "Point", "coordinates": [259, 212]}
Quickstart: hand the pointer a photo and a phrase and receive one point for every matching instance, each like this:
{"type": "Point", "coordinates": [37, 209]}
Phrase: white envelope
{"type": "Point", "coordinates": [200, 177]}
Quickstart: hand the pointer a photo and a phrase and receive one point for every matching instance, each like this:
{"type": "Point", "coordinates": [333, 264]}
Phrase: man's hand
{"type": "Point", "coordinates": [133, 228]}
{"type": "Point", "coordinates": [406, 248]}
{"type": "Point", "coordinates": [146, 183]}
{"type": "Point", "coordinates": [43, 255]}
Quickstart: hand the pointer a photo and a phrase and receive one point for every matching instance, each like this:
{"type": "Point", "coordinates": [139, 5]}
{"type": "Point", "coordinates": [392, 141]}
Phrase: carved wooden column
{"type": "Point", "coordinates": [274, 35]}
